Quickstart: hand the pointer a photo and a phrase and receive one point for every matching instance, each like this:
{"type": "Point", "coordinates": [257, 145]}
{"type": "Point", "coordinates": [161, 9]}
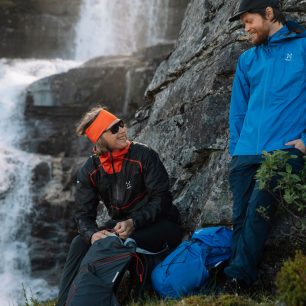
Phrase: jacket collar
{"type": "Point", "coordinates": [112, 161]}
{"type": "Point", "coordinates": [287, 32]}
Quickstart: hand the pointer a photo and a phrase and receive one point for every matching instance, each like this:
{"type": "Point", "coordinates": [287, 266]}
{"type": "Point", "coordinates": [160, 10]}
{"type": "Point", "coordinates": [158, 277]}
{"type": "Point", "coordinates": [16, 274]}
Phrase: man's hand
{"type": "Point", "coordinates": [99, 235]}
{"type": "Point", "coordinates": [298, 144]}
{"type": "Point", "coordinates": [124, 228]}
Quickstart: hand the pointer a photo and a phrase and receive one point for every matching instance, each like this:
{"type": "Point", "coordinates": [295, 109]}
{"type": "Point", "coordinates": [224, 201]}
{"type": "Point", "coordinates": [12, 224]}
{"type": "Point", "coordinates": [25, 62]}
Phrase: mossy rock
{"type": "Point", "coordinates": [291, 281]}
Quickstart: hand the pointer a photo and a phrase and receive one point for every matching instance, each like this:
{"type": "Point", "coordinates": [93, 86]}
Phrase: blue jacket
{"type": "Point", "coordinates": [268, 104]}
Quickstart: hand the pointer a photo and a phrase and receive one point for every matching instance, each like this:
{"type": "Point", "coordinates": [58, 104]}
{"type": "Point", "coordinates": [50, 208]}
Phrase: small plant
{"type": "Point", "coordinates": [34, 302]}
{"type": "Point", "coordinates": [277, 176]}
{"type": "Point", "coordinates": [291, 281]}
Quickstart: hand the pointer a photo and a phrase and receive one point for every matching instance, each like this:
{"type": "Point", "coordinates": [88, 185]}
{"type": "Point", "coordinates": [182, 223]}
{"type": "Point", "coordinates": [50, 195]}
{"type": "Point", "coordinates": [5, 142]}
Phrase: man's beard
{"type": "Point", "coordinates": [261, 38]}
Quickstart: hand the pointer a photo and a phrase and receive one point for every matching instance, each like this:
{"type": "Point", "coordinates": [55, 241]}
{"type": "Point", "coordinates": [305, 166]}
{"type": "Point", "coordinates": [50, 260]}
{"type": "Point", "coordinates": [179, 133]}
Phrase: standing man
{"type": "Point", "coordinates": [267, 113]}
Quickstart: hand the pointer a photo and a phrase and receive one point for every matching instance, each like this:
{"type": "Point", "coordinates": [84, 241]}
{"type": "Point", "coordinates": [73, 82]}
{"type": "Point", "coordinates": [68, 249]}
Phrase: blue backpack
{"type": "Point", "coordinates": [186, 269]}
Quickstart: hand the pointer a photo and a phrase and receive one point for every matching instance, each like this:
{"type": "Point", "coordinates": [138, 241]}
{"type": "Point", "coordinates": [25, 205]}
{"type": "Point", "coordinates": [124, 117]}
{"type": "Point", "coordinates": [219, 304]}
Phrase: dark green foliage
{"type": "Point", "coordinates": [276, 176]}
{"type": "Point", "coordinates": [291, 281]}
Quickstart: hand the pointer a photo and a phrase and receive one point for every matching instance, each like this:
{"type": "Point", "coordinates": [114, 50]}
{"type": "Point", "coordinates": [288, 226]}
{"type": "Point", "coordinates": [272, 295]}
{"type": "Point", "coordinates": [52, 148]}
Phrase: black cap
{"type": "Point", "coordinates": [249, 5]}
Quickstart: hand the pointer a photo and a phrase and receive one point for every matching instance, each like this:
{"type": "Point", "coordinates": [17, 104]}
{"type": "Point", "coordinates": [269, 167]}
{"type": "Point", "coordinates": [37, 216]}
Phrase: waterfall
{"type": "Point", "coordinates": [108, 27]}
{"type": "Point", "coordinates": [15, 179]}
{"type": "Point", "coordinates": [128, 81]}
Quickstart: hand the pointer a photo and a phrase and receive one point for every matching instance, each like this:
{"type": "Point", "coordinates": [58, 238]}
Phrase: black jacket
{"type": "Point", "coordinates": [139, 191]}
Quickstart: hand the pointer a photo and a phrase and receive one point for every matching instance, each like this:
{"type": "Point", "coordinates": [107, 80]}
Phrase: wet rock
{"type": "Point", "coordinates": [52, 221]}
{"type": "Point", "coordinates": [9, 166]}
{"type": "Point", "coordinates": [38, 28]}
{"type": "Point", "coordinates": [41, 174]}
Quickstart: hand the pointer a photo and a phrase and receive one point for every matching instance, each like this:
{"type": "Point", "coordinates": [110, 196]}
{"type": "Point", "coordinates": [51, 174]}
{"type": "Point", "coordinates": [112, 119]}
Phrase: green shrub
{"type": "Point", "coordinates": [291, 281]}
{"type": "Point", "coordinates": [289, 189]}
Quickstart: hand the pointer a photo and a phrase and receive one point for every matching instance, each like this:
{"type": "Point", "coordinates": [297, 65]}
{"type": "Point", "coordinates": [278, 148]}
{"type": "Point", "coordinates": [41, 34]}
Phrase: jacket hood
{"type": "Point", "coordinates": [291, 30]}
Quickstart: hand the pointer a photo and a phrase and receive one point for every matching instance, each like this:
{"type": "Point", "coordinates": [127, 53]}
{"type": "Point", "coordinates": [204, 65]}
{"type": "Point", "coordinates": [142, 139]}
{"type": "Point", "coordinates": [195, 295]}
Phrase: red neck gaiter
{"type": "Point", "coordinates": [113, 160]}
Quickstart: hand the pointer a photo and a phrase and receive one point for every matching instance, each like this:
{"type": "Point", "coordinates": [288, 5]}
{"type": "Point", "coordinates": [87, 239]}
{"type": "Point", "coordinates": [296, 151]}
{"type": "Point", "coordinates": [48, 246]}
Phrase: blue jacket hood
{"type": "Point", "coordinates": [291, 30]}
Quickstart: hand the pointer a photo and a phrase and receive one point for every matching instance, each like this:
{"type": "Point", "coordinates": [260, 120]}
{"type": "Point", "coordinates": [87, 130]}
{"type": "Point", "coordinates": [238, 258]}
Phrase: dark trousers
{"type": "Point", "coordinates": [253, 210]}
{"type": "Point", "coordinates": [152, 238]}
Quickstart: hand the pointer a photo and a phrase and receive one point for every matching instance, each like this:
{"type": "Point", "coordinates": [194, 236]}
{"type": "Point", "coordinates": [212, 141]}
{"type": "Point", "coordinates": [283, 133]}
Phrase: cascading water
{"type": "Point", "coordinates": [15, 179]}
{"type": "Point", "coordinates": [109, 27]}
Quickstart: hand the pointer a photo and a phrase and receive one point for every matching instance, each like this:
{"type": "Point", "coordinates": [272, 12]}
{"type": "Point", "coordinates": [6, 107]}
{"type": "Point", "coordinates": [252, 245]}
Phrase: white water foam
{"type": "Point", "coordinates": [15, 178]}
{"type": "Point", "coordinates": [110, 27]}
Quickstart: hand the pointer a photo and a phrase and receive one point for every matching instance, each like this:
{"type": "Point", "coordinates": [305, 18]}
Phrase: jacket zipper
{"type": "Point", "coordinates": [112, 160]}
{"type": "Point", "coordinates": [115, 178]}
{"type": "Point", "coordinates": [264, 100]}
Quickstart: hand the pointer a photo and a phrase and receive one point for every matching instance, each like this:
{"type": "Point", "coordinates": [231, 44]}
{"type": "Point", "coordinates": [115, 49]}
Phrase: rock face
{"type": "Point", "coordinates": [38, 28]}
{"type": "Point", "coordinates": [187, 107]}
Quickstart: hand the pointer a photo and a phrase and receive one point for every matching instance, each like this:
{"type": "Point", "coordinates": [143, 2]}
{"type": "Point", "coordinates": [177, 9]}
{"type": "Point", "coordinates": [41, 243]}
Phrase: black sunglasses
{"type": "Point", "coordinates": [115, 128]}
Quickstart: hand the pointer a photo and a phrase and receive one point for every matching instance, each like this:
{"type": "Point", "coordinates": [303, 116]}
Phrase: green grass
{"type": "Point", "coordinates": [34, 302]}
{"type": "Point", "coordinates": [197, 300]}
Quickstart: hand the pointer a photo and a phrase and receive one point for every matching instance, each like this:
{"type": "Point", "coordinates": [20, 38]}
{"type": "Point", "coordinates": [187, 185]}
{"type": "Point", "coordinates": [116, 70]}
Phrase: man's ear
{"type": "Point", "coordinates": [269, 13]}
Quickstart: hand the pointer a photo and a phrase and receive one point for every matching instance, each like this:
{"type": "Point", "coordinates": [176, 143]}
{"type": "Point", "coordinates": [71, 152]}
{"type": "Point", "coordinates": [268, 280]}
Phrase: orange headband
{"type": "Point", "coordinates": [99, 125]}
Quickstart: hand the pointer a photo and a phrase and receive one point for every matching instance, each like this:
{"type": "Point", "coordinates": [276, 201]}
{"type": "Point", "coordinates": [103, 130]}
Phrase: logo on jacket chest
{"type": "Point", "coordinates": [128, 184]}
{"type": "Point", "coordinates": [289, 57]}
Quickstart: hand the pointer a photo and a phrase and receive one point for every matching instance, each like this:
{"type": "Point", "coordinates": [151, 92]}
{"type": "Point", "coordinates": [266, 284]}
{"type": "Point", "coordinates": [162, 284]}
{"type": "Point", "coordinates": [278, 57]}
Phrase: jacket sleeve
{"type": "Point", "coordinates": [239, 104]}
{"type": "Point", "coordinates": [87, 201]}
{"type": "Point", "coordinates": [157, 185]}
